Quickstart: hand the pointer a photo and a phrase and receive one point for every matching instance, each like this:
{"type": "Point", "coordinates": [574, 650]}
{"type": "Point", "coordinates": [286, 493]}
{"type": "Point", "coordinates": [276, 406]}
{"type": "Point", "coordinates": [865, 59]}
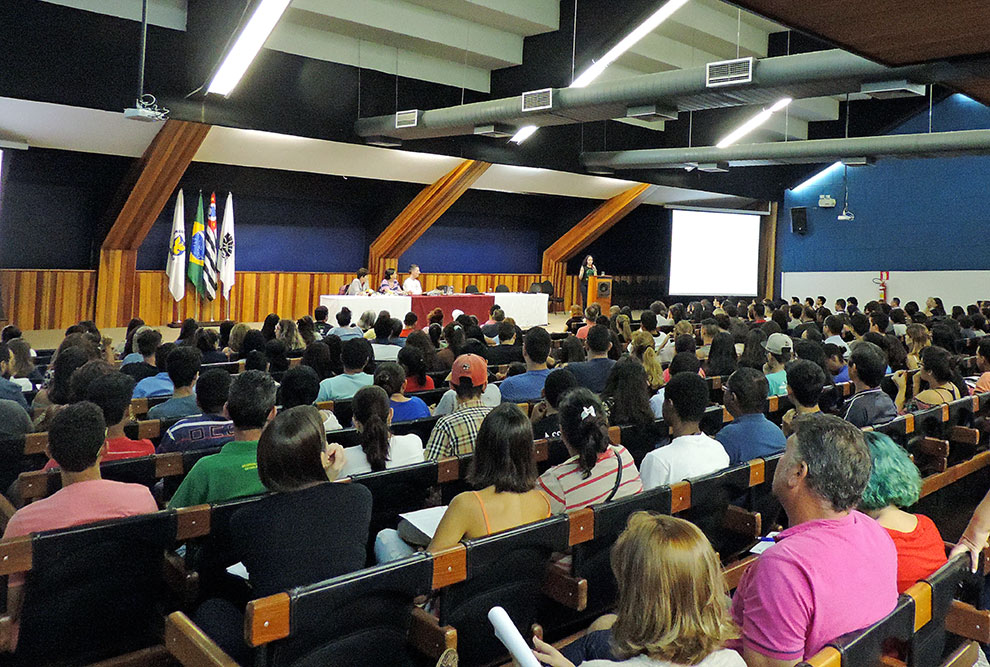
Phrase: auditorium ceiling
{"type": "Point", "coordinates": [330, 62]}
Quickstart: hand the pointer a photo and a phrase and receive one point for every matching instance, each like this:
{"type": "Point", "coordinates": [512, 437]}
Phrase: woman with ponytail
{"type": "Point", "coordinates": [642, 348]}
{"type": "Point", "coordinates": [379, 449]}
{"type": "Point", "coordinates": [391, 377]}
{"type": "Point", "coordinates": [597, 471]}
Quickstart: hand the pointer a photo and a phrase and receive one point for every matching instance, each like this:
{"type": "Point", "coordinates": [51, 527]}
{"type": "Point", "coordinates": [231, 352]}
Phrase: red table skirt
{"type": "Point", "coordinates": [478, 305]}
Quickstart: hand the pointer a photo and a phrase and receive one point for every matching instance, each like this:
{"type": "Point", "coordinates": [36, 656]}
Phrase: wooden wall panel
{"type": "Point", "coordinates": [47, 299]}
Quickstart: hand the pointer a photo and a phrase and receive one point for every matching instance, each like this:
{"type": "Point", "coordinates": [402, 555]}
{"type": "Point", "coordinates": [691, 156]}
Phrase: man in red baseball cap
{"type": "Point", "coordinates": [456, 433]}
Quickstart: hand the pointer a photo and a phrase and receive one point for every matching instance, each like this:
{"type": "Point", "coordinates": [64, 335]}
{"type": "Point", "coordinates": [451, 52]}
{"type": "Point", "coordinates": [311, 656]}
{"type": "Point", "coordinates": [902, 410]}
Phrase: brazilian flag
{"type": "Point", "coordinates": [197, 249]}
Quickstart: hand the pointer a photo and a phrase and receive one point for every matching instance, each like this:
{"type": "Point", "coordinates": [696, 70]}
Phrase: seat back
{"type": "Point", "coordinates": [471, 289]}
{"type": "Point", "coordinates": [93, 591]}
{"type": "Point", "coordinates": [535, 288]}
{"type": "Point", "coordinates": [501, 288]}
{"type": "Point", "coordinates": [710, 498]}
{"type": "Point", "coordinates": [356, 620]}
{"type": "Point", "coordinates": [546, 287]}
{"type": "Point", "coordinates": [867, 646]}
{"type": "Point", "coordinates": [507, 570]}
{"type": "Point", "coordinates": [928, 643]}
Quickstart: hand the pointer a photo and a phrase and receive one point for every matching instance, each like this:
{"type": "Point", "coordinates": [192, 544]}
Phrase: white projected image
{"type": "Point", "coordinates": [714, 254]}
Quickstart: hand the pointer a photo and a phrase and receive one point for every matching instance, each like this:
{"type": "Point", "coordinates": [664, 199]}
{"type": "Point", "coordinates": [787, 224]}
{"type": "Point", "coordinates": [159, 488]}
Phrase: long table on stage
{"type": "Point", "coordinates": [529, 310]}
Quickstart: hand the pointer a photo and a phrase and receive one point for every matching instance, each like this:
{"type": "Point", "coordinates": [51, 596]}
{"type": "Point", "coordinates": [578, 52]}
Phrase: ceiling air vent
{"type": "Point", "coordinates": [729, 72]}
{"type": "Point", "coordinates": [535, 100]}
{"type": "Point", "coordinates": [404, 119]}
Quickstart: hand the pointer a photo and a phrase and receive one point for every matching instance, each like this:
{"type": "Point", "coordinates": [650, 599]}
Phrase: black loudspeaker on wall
{"type": "Point", "coordinates": [799, 220]}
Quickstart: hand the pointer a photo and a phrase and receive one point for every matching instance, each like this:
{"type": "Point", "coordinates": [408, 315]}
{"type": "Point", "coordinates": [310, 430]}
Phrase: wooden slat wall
{"type": "Point", "coordinates": [47, 299]}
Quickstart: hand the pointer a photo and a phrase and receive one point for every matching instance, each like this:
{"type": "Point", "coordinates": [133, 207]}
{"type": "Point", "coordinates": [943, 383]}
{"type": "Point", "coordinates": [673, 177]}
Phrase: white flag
{"type": "Point", "coordinates": [175, 268]}
{"type": "Point", "coordinates": [225, 260]}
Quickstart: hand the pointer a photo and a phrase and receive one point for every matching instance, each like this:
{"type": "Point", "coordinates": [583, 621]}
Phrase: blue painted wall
{"type": "Point", "coordinates": [911, 215]}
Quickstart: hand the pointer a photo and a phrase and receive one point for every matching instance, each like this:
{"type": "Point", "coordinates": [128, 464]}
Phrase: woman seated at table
{"type": "Point", "coordinates": [360, 284]}
{"type": "Point", "coordinates": [390, 285]}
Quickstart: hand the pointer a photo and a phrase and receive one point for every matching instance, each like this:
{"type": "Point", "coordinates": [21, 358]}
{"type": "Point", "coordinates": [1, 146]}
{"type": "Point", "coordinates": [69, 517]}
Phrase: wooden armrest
{"type": "Point", "coordinates": [934, 447]}
{"type": "Point", "coordinates": [428, 637]}
{"type": "Point", "coordinates": [570, 591]}
{"type": "Point", "coordinates": [964, 435]}
{"type": "Point", "coordinates": [6, 634]}
{"type": "Point", "coordinates": [743, 522]}
{"type": "Point", "coordinates": [967, 621]}
{"type": "Point", "coordinates": [965, 655]}
{"type": "Point", "coordinates": [184, 583]}
{"type": "Point", "coordinates": [190, 646]}
{"type": "Point", "coordinates": [734, 571]}
{"type": "Point", "coordinates": [6, 511]}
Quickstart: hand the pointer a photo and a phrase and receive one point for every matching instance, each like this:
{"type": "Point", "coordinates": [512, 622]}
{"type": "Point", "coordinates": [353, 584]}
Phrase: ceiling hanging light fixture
{"type": "Point", "coordinates": [523, 133]}
{"type": "Point", "coordinates": [247, 45]}
{"type": "Point", "coordinates": [753, 123]}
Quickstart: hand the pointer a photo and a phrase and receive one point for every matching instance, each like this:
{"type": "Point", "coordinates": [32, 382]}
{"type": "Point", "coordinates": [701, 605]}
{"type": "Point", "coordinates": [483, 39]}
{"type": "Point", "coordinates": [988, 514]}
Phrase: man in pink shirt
{"type": "Point", "coordinates": [77, 442]}
{"type": "Point", "coordinates": [834, 570]}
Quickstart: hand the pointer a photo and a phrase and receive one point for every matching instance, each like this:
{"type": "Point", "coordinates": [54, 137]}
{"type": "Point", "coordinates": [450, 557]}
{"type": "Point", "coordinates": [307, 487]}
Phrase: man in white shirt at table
{"type": "Point", "coordinates": [411, 284]}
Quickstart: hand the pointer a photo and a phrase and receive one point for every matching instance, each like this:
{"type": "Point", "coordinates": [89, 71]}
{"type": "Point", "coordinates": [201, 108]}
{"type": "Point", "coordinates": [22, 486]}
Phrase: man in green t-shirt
{"type": "Point", "coordinates": [233, 471]}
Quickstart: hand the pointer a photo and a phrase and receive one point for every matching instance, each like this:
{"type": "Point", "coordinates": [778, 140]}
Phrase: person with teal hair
{"type": "Point", "coordinates": [895, 483]}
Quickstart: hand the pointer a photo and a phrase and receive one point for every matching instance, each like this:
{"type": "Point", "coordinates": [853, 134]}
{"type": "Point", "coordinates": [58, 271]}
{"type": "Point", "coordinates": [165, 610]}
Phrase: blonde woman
{"type": "Point", "coordinates": [666, 347]}
{"type": "Point", "coordinates": [623, 329]}
{"type": "Point", "coordinates": [237, 333]}
{"type": "Point", "coordinates": [641, 347]}
{"type": "Point", "coordinates": [672, 610]}
{"type": "Point", "coordinates": [918, 338]}
{"type": "Point", "coordinates": [287, 332]}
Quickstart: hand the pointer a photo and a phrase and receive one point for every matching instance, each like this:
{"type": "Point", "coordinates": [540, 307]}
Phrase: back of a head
{"type": "Point", "coordinates": [206, 340]}
{"type": "Point", "coordinates": [505, 331]}
{"type": "Point", "coordinates": [9, 333]}
{"type": "Point", "coordinates": [412, 360]}
{"type": "Point", "coordinates": [253, 341]}
{"type": "Point", "coordinates": [256, 361]}
{"type": "Point", "coordinates": [112, 394]}
{"type": "Point", "coordinates": [354, 354]}
{"type": "Point", "coordinates": [536, 344]}
{"type": "Point", "coordinates": [371, 406]}
{"type": "Point", "coordinates": [251, 399]}
{"type": "Point", "coordinates": [880, 319]}
{"type": "Point", "coordinates": [391, 377]}
{"type": "Point", "coordinates": [894, 479]}
{"type": "Point", "coordinates": [685, 343]}
{"type": "Point", "coordinates": [300, 386]}
{"type": "Point", "coordinates": [65, 364]}
{"type": "Point", "coordinates": [321, 313]}
{"type": "Point", "coordinates": [212, 389]}
{"type": "Point", "coordinates": [860, 323]}
{"type": "Point", "coordinates": [833, 326]}
{"type": "Point", "coordinates": [806, 380]}
{"type": "Point", "coordinates": [709, 327]}
{"type": "Point", "coordinates": [188, 330]}
{"type": "Point", "coordinates": [583, 426]}
{"type": "Point", "coordinates": [344, 317]}
{"type": "Point", "coordinates": [669, 580]}
{"type": "Point", "coordinates": [937, 361]}
{"type": "Point", "coordinates": [684, 362]}
{"type": "Point", "coordinates": [648, 320]}
{"type": "Point", "coordinates": [943, 336]}
{"type": "Point", "coordinates": [76, 435]}
{"type": "Point", "coordinates": [750, 387]}
{"type": "Point", "coordinates": [503, 452]}
{"type": "Point", "coordinates": [317, 357]}
{"type": "Point", "coordinates": [84, 375]}
{"type": "Point", "coordinates": [688, 393]}
{"type": "Point", "coordinates": [474, 346]}
{"type": "Point", "coordinates": [870, 363]}
{"type": "Point", "coordinates": [183, 365]}
{"type": "Point", "coordinates": [290, 450]}
{"type": "Point", "coordinates": [810, 350]}
{"type": "Point", "coordinates": [558, 383]}
{"type": "Point", "coordinates": [722, 356]}
{"type": "Point", "coordinates": [598, 339]}
{"type": "Point", "coordinates": [383, 328]}
{"type": "Point", "coordinates": [837, 458]}
{"type": "Point", "coordinates": [148, 341]}
{"type": "Point", "coordinates": [276, 352]}
{"type": "Point", "coordinates": [410, 319]}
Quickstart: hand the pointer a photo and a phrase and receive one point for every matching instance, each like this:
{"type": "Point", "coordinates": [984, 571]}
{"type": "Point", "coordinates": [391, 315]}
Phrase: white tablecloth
{"type": "Point", "coordinates": [397, 306]}
{"type": "Point", "coordinates": [528, 310]}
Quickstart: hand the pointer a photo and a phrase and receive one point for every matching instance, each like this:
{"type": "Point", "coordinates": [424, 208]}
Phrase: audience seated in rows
{"type": "Point", "coordinates": [690, 453]}
{"type": "Point", "coordinates": [233, 471]}
{"type": "Point", "coordinates": [379, 448]}
{"type": "Point", "coordinates": [21, 369]}
{"type": "Point", "coordinates": [300, 386]}
{"type": "Point", "coordinates": [159, 384]}
{"type": "Point", "coordinates": [527, 387]}
{"type": "Point", "coordinates": [593, 373]}
{"type": "Point", "coordinates": [209, 428]}
{"type": "Point", "coordinates": [413, 364]}
{"type": "Point", "coordinates": [507, 351]}
{"type": "Point", "coordinates": [9, 390]}
{"type": "Point", "coordinates": [938, 372]}
{"type": "Point", "coordinates": [834, 569]}
{"type": "Point", "coordinates": [805, 382]}
{"type": "Point", "coordinates": [778, 347]}
{"type": "Point", "coordinates": [750, 434]}
{"type": "Point", "coordinates": [183, 370]}
{"type": "Point", "coordinates": [596, 471]}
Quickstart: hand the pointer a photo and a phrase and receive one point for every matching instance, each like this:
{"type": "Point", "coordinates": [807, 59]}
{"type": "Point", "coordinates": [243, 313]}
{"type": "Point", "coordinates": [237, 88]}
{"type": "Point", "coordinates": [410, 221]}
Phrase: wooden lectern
{"type": "Point", "coordinates": [600, 292]}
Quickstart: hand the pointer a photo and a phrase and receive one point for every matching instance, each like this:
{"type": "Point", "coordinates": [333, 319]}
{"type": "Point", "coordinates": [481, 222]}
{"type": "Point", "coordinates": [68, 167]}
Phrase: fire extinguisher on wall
{"type": "Point", "coordinates": [881, 283]}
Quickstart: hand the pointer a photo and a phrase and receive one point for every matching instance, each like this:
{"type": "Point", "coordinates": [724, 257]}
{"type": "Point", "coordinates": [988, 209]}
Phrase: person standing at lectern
{"type": "Point", "coordinates": [587, 270]}
{"type": "Point", "coordinates": [411, 284]}
{"type": "Point", "coordinates": [390, 285]}
{"type": "Point", "coordinates": [360, 284]}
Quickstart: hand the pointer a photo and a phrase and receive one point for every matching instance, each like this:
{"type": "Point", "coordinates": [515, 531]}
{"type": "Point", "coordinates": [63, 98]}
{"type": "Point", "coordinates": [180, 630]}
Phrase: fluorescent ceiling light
{"type": "Point", "coordinates": [627, 42]}
{"type": "Point", "coordinates": [817, 177]}
{"type": "Point", "coordinates": [753, 123]}
{"type": "Point", "coordinates": [523, 134]}
{"type": "Point", "coordinates": [247, 45]}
